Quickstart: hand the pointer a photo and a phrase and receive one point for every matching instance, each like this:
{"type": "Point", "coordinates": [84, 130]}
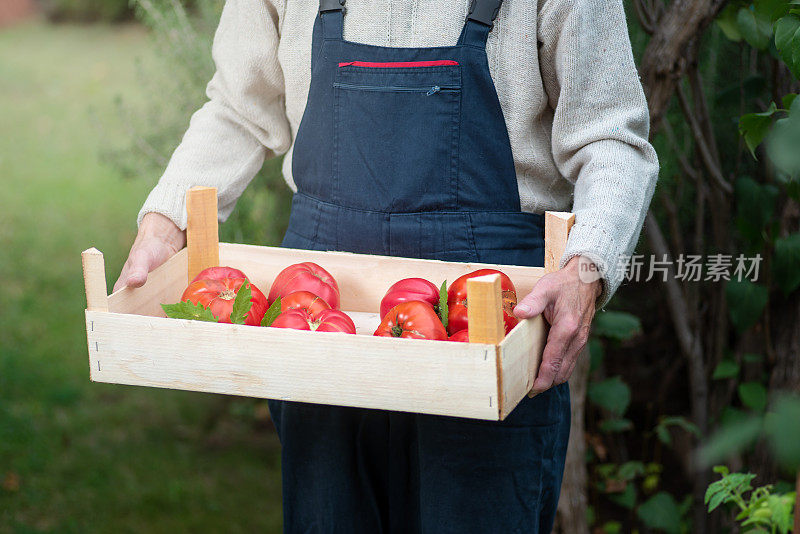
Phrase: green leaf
{"type": "Point", "coordinates": [788, 100]}
{"type": "Point", "coordinates": [755, 27]}
{"type": "Point", "coordinates": [188, 310]}
{"type": "Point", "coordinates": [626, 498]}
{"type": "Point", "coordinates": [443, 309]}
{"type": "Point", "coordinates": [241, 304]}
{"type": "Point", "coordinates": [612, 394]}
{"type": "Point", "coordinates": [786, 262]}
{"type": "Point", "coordinates": [755, 205]}
{"type": "Point", "coordinates": [754, 127]}
{"type": "Point", "coordinates": [771, 10]}
{"type": "Point", "coordinates": [725, 369]}
{"type": "Point", "coordinates": [616, 325]}
{"type": "Point", "coordinates": [784, 431]}
{"type": "Point", "coordinates": [272, 313]}
{"type": "Point", "coordinates": [726, 20]}
{"type": "Point", "coordinates": [630, 470]}
{"type": "Point", "coordinates": [731, 439]}
{"type": "Point", "coordinates": [596, 352]}
{"type": "Point", "coordinates": [787, 41]}
{"type": "Point", "coordinates": [753, 395]}
{"type": "Point", "coordinates": [662, 428]}
{"type": "Point", "coordinates": [749, 357]}
{"type": "Point", "coordinates": [615, 425]}
{"type": "Point", "coordinates": [661, 512]}
{"type": "Point", "coordinates": [746, 302]}
{"type": "Point", "coordinates": [781, 146]}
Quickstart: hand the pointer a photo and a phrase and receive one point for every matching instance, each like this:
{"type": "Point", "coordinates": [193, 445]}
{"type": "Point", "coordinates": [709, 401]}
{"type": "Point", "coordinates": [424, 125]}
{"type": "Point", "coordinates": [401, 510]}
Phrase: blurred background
{"type": "Point", "coordinates": [681, 375]}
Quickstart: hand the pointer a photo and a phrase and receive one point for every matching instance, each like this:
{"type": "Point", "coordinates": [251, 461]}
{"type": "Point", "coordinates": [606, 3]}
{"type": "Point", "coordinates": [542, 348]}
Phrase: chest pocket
{"type": "Point", "coordinates": [396, 134]}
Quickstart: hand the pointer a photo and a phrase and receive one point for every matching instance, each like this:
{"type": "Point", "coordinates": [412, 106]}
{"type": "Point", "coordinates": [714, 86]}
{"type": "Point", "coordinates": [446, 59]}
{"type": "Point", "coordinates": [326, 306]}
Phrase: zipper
{"type": "Point", "coordinates": [429, 90]}
{"type": "Point", "coordinates": [399, 64]}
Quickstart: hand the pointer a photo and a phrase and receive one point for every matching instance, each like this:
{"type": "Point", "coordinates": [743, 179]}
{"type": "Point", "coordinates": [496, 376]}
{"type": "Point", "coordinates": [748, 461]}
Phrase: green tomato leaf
{"type": "Point", "coordinates": [612, 394]}
{"type": "Point", "coordinates": [746, 302]}
{"type": "Point", "coordinates": [753, 395]}
{"type": "Point", "coordinates": [443, 309]}
{"type": "Point", "coordinates": [725, 369]}
{"type": "Point", "coordinates": [273, 312]}
{"type": "Point", "coordinates": [241, 304]}
{"type": "Point", "coordinates": [188, 310]}
{"type": "Point", "coordinates": [787, 41]}
{"type": "Point", "coordinates": [781, 144]}
{"type": "Point", "coordinates": [754, 127]}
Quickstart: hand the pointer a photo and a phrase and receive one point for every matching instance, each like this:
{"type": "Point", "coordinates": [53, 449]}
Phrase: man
{"type": "Point", "coordinates": [427, 129]}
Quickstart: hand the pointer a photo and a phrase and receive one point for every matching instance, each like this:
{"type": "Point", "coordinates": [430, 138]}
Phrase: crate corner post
{"type": "Point", "coordinates": [557, 225]}
{"type": "Point", "coordinates": [94, 280]}
{"type": "Point", "coordinates": [485, 310]}
{"type": "Point", "coordinates": [202, 230]}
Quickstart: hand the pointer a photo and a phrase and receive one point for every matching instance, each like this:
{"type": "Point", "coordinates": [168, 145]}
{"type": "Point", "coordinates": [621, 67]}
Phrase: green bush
{"type": "Point", "coordinates": [87, 10]}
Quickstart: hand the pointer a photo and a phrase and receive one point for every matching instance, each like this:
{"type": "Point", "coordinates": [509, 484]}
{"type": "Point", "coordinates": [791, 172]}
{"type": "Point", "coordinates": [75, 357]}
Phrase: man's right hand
{"type": "Point", "coordinates": [157, 241]}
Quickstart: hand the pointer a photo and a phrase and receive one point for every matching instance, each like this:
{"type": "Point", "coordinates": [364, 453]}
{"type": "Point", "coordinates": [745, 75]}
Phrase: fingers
{"type": "Point", "coordinates": [134, 272]}
{"type": "Point", "coordinates": [554, 357]}
{"type": "Point", "coordinates": [544, 293]}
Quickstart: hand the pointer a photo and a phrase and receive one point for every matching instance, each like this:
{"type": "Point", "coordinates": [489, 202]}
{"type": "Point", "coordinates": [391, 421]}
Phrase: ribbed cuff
{"type": "Point", "coordinates": [598, 245]}
{"type": "Point", "coordinates": [168, 200]}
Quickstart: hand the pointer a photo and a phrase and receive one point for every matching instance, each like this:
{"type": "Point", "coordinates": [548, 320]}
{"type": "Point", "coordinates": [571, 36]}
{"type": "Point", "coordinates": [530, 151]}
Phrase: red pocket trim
{"type": "Point", "coordinates": [399, 64]}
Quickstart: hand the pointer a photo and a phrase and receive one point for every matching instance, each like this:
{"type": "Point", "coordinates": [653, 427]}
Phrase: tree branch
{"type": "Point", "coordinates": [711, 165]}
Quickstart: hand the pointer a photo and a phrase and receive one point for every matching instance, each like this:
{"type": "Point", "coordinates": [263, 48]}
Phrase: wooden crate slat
{"type": "Point", "coordinates": [420, 376]}
{"type": "Point", "coordinates": [202, 230]}
{"type": "Point", "coordinates": [164, 285]}
{"type": "Point", "coordinates": [519, 357]}
{"type": "Point", "coordinates": [363, 278]}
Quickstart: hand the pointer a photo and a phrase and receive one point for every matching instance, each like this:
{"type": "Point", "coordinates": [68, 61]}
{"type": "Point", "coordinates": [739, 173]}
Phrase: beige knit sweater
{"type": "Point", "coordinates": [564, 72]}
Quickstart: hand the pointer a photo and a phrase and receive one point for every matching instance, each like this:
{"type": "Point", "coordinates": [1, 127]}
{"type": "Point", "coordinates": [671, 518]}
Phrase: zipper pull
{"type": "Point", "coordinates": [433, 90]}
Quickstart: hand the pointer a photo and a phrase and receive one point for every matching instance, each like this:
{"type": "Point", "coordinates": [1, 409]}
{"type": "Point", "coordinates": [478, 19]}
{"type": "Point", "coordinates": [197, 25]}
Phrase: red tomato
{"type": "Point", "coordinates": [334, 321]}
{"type": "Point", "coordinates": [219, 290]}
{"type": "Point", "coordinates": [461, 335]}
{"type": "Point", "coordinates": [306, 277]}
{"type": "Point", "coordinates": [219, 273]}
{"type": "Point", "coordinates": [326, 320]}
{"type": "Point", "coordinates": [304, 300]}
{"type": "Point", "coordinates": [409, 289]}
{"type": "Point", "coordinates": [412, 319]}
{"type": "Point", "coordinates": [457, 301]}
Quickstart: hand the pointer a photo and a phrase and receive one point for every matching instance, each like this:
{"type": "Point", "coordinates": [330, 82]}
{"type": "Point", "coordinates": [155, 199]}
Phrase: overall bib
{"type": "Point", "coordinates": [405, 152]}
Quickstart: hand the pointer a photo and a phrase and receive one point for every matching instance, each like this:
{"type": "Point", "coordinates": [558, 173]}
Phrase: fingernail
{"type": "Point", "coordinates": [522, 309]}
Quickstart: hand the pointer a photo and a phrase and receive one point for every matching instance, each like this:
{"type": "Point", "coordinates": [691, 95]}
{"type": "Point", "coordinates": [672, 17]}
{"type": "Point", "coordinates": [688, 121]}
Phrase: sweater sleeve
{"type": "Point", "coordinates": [600, 129]}
{"type": "Point", "coordinates": [244, 120]}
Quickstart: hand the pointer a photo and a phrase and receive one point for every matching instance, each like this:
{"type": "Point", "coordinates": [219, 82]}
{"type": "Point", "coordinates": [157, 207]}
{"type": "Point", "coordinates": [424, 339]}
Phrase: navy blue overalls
{"type": "Point", "coordinates": [405, 152]}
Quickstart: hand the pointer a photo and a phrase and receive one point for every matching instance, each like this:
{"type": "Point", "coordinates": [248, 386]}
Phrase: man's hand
{"type": "Point", "coordinates": [158, 240]}
{"type": "Point", "coordinates": [568, 304]}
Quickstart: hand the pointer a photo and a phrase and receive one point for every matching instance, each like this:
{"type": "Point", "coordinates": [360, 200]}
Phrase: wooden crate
{"type": "Point", "coordinates": [131, 342]}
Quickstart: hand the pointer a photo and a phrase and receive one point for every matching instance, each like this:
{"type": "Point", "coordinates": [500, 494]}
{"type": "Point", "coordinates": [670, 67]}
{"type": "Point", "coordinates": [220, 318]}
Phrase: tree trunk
{"type": "Point", "coordinates": [571, 518]}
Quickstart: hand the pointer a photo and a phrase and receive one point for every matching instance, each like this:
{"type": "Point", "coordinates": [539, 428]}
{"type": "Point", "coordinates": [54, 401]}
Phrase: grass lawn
{"type": "Point", "coordinates": [75, 456]}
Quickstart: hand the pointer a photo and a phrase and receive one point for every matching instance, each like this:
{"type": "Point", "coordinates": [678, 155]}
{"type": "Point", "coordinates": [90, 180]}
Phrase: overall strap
{"type": "Point", "coordinates": [479, 23]}
{"type": "Point", "coordinates": [332, 14]}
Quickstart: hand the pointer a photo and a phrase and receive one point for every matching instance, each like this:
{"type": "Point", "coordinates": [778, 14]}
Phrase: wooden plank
{"type": "Point", "coordinates": [485, 309]}
{"type": "Point", "coordinates": [164, 285]}
{"type": "Point", "coordinates": [520, 354]}
{"type": "Point", "coordinates": [557, 225]}
{"type": "Point", "coordinates": [436, 377]}
{"type": "Point", "coordinates": [202, 230]}
{"type": "Point", "coordinates": [363, 278]}
{"type": "Point", "coordinates": [94, 279]}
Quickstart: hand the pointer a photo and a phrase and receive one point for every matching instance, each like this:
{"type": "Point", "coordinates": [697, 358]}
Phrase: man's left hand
{"type": "Point", "coordinates": [568, 304]}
